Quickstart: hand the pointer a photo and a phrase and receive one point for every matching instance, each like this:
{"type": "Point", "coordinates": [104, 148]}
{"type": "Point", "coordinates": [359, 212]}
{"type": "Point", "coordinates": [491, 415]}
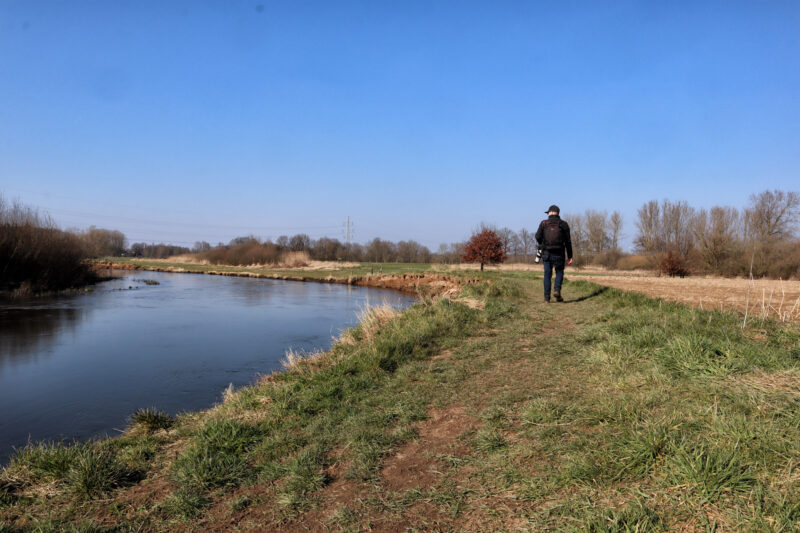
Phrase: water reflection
{"type": "Point", "coordinates": [27, 333]}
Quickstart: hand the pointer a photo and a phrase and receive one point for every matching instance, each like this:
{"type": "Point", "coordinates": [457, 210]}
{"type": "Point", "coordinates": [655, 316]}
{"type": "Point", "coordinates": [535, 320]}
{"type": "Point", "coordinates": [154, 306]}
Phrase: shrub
{"type": "Point", "coordinates": [247, 252]}
{"type": "Point", "coordinates": [634, 262]}
{"type": "Point", "coordinates": [37, 256]}
{"type": "Point", "coordinates": [609, 258]}
{"type": "Point", "coordinates": [672, 264]}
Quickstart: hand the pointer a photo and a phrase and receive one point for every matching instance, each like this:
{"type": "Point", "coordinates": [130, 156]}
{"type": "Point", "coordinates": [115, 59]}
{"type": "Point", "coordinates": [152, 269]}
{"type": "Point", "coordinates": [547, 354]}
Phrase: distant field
{"type": "Point", "coordinates": [761, 298]}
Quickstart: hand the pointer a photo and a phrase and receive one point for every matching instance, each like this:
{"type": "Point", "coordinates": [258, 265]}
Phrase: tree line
{"type": "Point", "coordinates": [251, 250]}
{"type": "Point", "coordinates": [760, 239]}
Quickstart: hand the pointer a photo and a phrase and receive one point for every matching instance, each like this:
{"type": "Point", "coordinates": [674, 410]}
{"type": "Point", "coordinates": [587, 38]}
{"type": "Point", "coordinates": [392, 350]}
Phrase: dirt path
{"type": "Point", "coordinates": [433, 483]}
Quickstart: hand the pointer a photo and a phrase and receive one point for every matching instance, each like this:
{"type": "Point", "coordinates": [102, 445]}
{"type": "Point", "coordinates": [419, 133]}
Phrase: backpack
{"type": "Point", "coordinates": [553, 236]}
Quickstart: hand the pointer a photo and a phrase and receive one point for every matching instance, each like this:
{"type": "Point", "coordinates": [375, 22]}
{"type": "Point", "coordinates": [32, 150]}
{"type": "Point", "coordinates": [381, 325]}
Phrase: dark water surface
{"type": "Point", "coordinates": [75, 367]}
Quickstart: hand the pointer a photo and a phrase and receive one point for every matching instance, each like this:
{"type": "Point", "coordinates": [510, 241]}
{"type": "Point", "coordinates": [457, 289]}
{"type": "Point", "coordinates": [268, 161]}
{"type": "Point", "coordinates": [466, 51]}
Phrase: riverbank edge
{"type": "Point", "coordinates": [423, 283]}
{"type": "Point", "coordinates": [27, 290]}
{"type": "Point", "coordinates": [99, 455]}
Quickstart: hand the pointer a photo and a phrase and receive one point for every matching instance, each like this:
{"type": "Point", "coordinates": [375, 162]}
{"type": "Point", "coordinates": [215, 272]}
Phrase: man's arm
{"type": "Point", "coordinates": [568, 242]}
{"type": "Point", "coordinates": [540, 234]}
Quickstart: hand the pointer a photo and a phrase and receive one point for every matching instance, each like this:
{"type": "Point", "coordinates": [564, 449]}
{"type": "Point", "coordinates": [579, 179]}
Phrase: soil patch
{"type": "Point", "coordinates": [415, 465]}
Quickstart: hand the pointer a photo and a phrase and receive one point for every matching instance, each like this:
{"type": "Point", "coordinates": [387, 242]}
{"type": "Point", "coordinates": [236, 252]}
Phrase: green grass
{"type": "Point", "coordinates": [614, 412]}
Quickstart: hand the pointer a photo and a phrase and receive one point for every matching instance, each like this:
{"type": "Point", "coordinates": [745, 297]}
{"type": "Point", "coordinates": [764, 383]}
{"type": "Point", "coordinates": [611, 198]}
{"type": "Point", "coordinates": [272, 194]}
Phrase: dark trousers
{"type": "Point", "coordinates": [555, 262]}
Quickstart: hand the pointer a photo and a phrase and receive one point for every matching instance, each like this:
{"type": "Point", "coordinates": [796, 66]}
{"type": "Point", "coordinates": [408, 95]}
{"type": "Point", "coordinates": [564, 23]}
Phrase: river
{"type": "Point", "coordinates": [76, 366]}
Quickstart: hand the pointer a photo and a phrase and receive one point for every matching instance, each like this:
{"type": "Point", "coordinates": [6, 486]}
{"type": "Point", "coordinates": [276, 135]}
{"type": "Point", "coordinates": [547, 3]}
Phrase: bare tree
{"type": "Point", "coordinates": [199, 246]}
{"type": "Point", "coordinates": [299, 243]}
{"type": "Point", "coordinates": [676, 227]}
{"type": "Point", "coordinates": [100, 242]}
{"type": "Point", "coordinates": [578, 236]}
{"type": "Point", "coordinates": [597, 238]}
{"type": "Point", "coordinates": [506, 236]}
{"type": "Point", "coordinates": [649, 225]}
{"type": "Point", "coordinates": [615, 223]}
{"type": "Point", "coordinates": [716, 234]}
{"type": "Point", "coordinates": [412, 252]}
{"type": "Point", "coordinates": [527, 241]}
{"type": "Point", "coordinates": [773, 215]}
{"type": "Point", "coordinates": [379, 251]}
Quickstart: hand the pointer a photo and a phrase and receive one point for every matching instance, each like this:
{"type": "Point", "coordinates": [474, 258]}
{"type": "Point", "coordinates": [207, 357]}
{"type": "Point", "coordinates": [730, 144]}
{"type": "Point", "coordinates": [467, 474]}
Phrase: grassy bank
{"type": "Point", "coordinates": [610, 412]}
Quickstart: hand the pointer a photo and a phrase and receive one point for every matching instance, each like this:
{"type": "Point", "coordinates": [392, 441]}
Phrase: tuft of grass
{"type": "Point", "coordinates": [7, 493]}
{"type": "Point", "coordinates": [240, 503]}
{"type": "Point", "coordinates": [96, 471]}
{"type": "Point", "coordinates": [541, 411]}
{"type": "Point", "coordinates": [372, 318]}
{"type": "Point", "coordinates": [151, 419]}
{"type": "Point", "coordinates": [217, 456]}
{"type": "Point", "coordinates": [636, 518]}
{"type": "Point", "coordinates": [184, 504]}
{"type": "Point", "coordinates": [490, 440]}
{"type": "Point", "coordinates": [711, 470]}
{"type": "Point", "coordinates": [304, 477]}
{"type": "Point", "coordinates": [344, 519]}
{"type": "Point", "coordinates": [43, 462]}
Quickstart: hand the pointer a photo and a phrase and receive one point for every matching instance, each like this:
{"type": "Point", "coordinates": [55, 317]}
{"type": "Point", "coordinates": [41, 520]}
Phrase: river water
{"type": "Point", "coordinates": [75, 367]}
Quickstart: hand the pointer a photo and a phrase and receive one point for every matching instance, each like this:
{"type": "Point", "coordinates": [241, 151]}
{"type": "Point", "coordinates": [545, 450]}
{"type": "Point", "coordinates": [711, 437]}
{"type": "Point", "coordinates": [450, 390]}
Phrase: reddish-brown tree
{"type": "Point", "coordinates": [484, 247]}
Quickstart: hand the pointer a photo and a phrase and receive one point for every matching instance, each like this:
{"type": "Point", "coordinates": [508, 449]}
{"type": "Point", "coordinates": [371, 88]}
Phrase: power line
{"type": "Point", "coordinates": [348, 229]}
{"type": "Point", "coordinates": [68, 212]}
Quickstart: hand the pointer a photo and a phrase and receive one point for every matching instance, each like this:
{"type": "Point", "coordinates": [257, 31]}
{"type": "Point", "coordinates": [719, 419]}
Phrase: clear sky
{"type": "Point", "coordinates": [180, 121]}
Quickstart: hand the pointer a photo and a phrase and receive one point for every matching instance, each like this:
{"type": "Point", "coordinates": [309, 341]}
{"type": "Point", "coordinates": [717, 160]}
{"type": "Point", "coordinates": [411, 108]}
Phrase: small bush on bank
{"type": "Point", "coordinates": [151, 419]}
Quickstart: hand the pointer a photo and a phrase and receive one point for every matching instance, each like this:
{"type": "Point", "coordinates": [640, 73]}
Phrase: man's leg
{"type": "Point", "coordinates": [548, 272]}
{"type": "Point", "coordinates": [559, 267]}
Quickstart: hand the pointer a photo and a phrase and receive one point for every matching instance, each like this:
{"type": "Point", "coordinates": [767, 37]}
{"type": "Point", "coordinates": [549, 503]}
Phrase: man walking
{"type": "Point", "coordinates": [555, 244]}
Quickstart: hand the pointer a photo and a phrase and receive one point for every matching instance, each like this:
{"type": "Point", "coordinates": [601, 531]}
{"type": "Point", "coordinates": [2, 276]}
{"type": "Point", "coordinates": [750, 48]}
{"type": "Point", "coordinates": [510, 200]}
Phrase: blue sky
{"type": "Point", "coordinates": [180, 121]}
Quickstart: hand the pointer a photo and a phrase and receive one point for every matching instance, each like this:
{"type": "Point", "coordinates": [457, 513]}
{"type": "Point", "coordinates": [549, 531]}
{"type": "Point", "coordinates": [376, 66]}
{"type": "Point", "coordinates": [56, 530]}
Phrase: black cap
{"type": "Point", "coordinates": [553, 208]}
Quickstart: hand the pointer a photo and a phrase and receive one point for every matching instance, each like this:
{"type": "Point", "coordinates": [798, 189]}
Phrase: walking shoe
{"type": "Point", "coordinates": [547, 300]}
{"type": "Point", "coordinates": [558, 296]}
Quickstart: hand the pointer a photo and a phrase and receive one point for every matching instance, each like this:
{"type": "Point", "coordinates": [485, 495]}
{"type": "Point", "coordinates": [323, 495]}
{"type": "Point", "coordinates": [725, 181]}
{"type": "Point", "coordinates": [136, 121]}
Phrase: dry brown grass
{"type": "Point", "coordinates": [372, 318]}
{"type": "Point", "coordinates": [302, 362]}
{"type": "Point", "coordinates": [786, 381]}
{"type": "Point", "coordinates": [293, 260]}
{"type": "Point", "coordinates": [759, 299]}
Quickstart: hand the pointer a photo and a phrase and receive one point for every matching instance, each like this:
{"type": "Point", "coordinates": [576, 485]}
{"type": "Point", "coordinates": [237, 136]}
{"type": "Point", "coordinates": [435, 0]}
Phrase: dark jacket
{"type": "Point", "coordinates": [564, 237]}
